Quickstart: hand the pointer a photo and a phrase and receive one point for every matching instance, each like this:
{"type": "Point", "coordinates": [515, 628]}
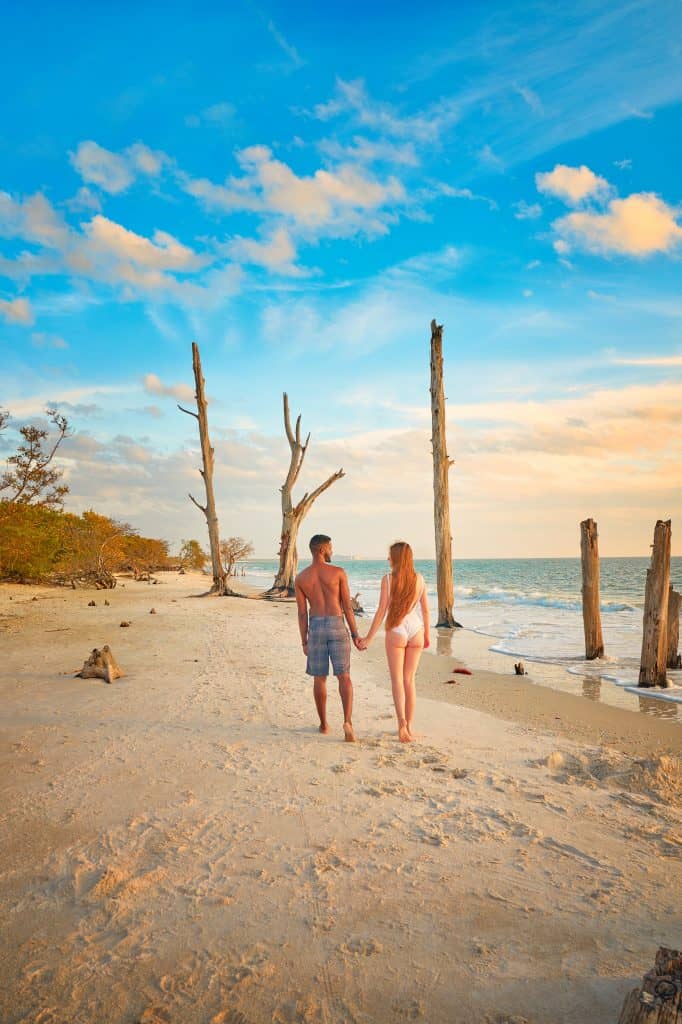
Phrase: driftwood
{"type": "Point", "coordinates": [207, 458]}
{"type": "Point", "coordinates": [126, 622]}
{"type": "Point", "coordinates": [293, 515]}
{"type": "Point", "coordinates": [674, 659]}
{"type": "Point", "coordinates": [658, 1000]}
{"type": "Point", "coordinates": [441, 493]}
{"type": "Point", "coordinates": [519, 669]}
{"type": "Point", "coordinates": [356, 606]}
{"type": "Point", "coordinates": [101, 665]}
{"type": "Point", "coordinates": [589, 553]}
{"type": "Point", "coordinates": [92, 604]}
{"type": "Point", "coordinates": [654, 633]}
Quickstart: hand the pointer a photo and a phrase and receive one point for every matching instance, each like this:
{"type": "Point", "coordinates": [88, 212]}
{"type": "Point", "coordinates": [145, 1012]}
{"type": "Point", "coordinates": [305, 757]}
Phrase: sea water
{"type": "Point", "coordinates": [530, 609]}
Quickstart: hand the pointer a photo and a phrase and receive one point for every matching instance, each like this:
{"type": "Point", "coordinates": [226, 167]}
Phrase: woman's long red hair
{"type": "Point", "coordinates": [403, 583]}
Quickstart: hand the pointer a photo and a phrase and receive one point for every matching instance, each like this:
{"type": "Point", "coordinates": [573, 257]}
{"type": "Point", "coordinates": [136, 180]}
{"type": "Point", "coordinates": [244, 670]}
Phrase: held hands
{"type": "Point", "coordinates": [360, 643]}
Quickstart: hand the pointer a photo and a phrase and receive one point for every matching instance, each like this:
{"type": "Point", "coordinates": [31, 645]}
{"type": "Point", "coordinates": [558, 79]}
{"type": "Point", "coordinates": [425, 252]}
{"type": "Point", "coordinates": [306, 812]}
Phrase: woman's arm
{"type": "Point", "coordinates": [424, 601]}
{"type": "Point", "coordinates": [379, 613]}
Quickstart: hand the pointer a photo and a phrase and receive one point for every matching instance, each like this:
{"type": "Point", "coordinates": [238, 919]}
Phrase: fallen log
{"type": "Point", "coordinates": [101, 665]}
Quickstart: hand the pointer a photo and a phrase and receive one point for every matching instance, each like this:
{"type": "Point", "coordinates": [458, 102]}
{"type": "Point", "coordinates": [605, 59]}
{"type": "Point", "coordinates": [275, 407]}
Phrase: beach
{"type": "Point", "coordinates": [184, 846]}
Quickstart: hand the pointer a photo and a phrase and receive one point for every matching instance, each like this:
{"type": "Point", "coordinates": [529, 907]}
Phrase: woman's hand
{"type": "Point", "coordinates": [427, 639]}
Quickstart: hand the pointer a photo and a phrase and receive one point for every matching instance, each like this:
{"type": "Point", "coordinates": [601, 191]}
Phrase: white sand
{"type": "Point", "coordinates": [184, 846]}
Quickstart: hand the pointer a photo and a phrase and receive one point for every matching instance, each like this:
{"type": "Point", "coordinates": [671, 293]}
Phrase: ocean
{"type": "Point", "coordinates": [530, 609]}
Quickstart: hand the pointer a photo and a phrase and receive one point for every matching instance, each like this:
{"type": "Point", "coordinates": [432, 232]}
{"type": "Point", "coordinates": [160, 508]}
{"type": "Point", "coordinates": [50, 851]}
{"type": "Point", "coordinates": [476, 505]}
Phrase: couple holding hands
{"type": "Point", "coordinates": [323, 600]}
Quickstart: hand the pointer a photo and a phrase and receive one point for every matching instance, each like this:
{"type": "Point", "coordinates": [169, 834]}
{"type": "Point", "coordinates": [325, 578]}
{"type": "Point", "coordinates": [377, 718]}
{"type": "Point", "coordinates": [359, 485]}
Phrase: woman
{"type": "Point", "coordinates": [403, 596]}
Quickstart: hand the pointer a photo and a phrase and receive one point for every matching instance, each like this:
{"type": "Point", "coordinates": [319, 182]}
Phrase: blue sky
{"type": "Point", "coordinates": [301, 190]}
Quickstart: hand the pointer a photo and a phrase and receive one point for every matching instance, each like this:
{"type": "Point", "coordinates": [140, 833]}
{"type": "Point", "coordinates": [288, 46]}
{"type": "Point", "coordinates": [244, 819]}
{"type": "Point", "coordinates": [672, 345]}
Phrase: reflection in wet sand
{"type": "Point", "coordinates": [444, 641]}
{"type": "Point", "coordinates": [592, 687]}
{"type": "Point", "coordinates": [659, 708]}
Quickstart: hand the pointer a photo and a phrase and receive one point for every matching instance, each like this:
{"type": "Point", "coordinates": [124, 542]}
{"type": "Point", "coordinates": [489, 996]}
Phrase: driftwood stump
{"type": "Point", "coordinates": [441, 493]}
{"type": "Point", "coordinates": [356, 606]}
{"type": "Point", "coordinates": [101, 665]}
{"type": "Point", "coordinates": [519, 669]}
{"type": "Point", "coordinates": [659, 998]}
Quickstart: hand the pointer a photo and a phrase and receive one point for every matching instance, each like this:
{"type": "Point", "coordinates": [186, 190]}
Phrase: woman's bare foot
{"type": "Point", "coordinates": [348, 733]}
{"type": "Point", "coordinates": [403, 732]}
{"type": "Point", "coordinates": [324, 728]}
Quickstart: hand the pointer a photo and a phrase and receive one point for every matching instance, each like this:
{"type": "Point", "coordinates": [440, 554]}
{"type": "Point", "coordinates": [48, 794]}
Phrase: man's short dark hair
{"type": "Point", "coordinates": [318, 541]}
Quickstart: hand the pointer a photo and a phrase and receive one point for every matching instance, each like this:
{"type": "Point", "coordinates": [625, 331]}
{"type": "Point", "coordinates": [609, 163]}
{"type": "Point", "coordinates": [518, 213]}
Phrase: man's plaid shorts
{"type": "Point", "coordinates": [328, 639]}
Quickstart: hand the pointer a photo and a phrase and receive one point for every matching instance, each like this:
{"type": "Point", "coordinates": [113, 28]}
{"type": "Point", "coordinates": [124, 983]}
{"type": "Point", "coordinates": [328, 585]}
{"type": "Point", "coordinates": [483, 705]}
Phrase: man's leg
{"type": "Point", "coordinates": [346, 694]}
{"type": "Point", "coordinates": [320, 693]}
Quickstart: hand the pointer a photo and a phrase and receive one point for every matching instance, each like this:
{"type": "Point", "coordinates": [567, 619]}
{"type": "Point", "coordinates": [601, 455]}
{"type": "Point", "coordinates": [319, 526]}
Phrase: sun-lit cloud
{"type": "Point", "coordinates": [115, 172]}
{"type": "Point", "coordinates": [639, 225]}
{"type": "Point", "coordinates": [571, 184]}
{"type": "Point", "coordinates": [649, 361]}
{"type": "Point", "coordinates": [276, 253]}
{"type": "Point", "coordinates": [333, 202]}
{"type": "Point", "coordinates": [153, 386]}
{"type": "Point", "coordinates": [527, 211]}
{"type": "Point", "coordinates": [16, 311]}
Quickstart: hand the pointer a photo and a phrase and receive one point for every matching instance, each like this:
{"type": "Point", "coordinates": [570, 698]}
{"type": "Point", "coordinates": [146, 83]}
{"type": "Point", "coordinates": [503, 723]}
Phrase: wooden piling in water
{"type": "Point", "coordinates": [652, 669]}
{"type": "Point", "coordinates": [589, 554]}
{"type": "Point", "coordinates": [674, 659]}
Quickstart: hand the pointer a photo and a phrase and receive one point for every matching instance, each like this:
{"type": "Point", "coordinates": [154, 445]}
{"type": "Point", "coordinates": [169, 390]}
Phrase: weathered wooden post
{"type": "Point", "coordinates": [655, 633]}
{"type": "Point", "coordinates": [589, 554]}
{"type": "Point", "coordinates": [441, 492]}
{"type": "Point", "coordinates": [674, 659]}
{"type": "Point", "coordinates": [658, 1000]}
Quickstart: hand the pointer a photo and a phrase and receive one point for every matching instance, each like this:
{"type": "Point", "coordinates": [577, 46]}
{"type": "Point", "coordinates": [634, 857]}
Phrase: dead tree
{"type": "Point", "coordinates": [293, 515]}
{"type": "Point", "coordinates": [658, 1000]}
{"type": "Point", "coordinates": [673, 659]}
{"type": "Point", "coordinates": [589, 553]}
{"type": "Point", "coordinates": [201, 416]}
{"type": "Point", "coordinates": [655, 633]}
{"type": "Point", "coordinates": [441, 493]}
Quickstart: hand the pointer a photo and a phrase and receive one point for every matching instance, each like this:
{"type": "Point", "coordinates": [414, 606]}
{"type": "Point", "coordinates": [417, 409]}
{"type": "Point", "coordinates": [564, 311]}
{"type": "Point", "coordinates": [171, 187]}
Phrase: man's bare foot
{"type": "Point", "coordinates": [324, 728]}
{"type": "Point", "coordinates": [403, 732]}
{"type": "Point", "coordinates": [348, 733]}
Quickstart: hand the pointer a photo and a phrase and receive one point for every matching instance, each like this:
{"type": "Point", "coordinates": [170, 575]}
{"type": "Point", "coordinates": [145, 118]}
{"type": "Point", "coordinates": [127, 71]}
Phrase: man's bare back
{"type": "Point", "coordinates": [323, 587]}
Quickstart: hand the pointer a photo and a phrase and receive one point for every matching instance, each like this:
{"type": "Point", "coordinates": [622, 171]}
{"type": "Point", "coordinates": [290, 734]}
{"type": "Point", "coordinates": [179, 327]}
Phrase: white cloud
{"type": "Point", "coordinates": [571, 184]}
{"type": "Point", "coordinates": [650, 361]}
{"type": "Point", "coordinates": [623, 165]}
{"type": "Point", "coordinates": [351, 98]}
{"type": "Point", "coordinates": [84, 199]}
{"type": "Point", "coordinates": [115, 172]}
{"type": "Point", "coordinates": [153, 386]}
{"type": "Point", "coordinates": [530, 97]}
{"type": "Point", "coordinates": [640, 225]}
{"type": "Point", "coordinates": [41, 340]}
{"type": "Point", "coordinates": [162, 252]}
{"type": "Point", "coordinates": [366, 151]}
{"type": "Point", "coordinates": [16, 311]}
{"type": "Point", "coordinates": [527, 211]}
{"type": "Point", "coordinates": [217, 114]}
{"type": "Point", "coordinates": [333, 202]}
{"type": "Point", "coordinates": [102, 167]}
{"type": "Point", "coordinates": [487, 156]}
{"type": "Point", "coordinates": [276, 253]}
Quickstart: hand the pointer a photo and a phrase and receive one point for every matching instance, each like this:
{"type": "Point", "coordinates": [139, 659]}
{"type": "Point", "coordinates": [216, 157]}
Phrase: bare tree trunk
{"type": "Point", "coordinates": [441, 494]}
{"type": "Point", "coordinates": [219, 577]}
{"type": "Point", "coordinates": [589, 552]}
{"type": "Point", "coordinates": [293, 515]}
{"type": "Point", "coordinates": [655, 634]}
{"type": "Point", "coordinates": [673, 659]}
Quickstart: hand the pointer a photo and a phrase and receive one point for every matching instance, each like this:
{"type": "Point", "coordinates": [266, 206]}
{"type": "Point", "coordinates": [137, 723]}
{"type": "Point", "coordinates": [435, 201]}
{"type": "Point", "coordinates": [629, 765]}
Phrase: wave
{"type": "Point", "coordinates": [537, 598]}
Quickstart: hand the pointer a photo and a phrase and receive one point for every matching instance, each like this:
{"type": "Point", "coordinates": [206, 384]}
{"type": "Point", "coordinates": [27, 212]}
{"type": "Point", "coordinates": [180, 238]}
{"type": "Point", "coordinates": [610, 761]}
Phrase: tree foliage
{"type": "Point", "coordinates": [31, 477]}
{"type": "Point", "coordinates": [192, 555]}
{"type": "Point", "coordinates": [234, 550]}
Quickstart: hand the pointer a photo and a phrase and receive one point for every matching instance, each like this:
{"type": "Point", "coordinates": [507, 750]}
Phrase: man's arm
{"type": "Point", "coordinates": [302, 605]}
{"type": "Point", "coordinates": [348, 607]}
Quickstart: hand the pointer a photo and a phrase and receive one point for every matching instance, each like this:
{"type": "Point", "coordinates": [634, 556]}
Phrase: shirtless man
{"type": "Point", "coordinates": [325, 588]}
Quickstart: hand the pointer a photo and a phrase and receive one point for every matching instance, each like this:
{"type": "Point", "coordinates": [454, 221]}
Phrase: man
{"type": "Point", "coordinates": [324, 587]}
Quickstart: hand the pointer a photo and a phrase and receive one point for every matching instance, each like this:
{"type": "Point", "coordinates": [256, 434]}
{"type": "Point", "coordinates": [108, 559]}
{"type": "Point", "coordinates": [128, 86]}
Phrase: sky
{"type": "Point", "coordinates": [300, 189]}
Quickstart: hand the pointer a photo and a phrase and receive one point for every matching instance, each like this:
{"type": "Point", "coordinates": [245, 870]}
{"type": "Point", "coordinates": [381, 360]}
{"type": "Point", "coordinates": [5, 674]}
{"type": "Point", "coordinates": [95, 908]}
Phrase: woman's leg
{"type": "Point", "coordinates": [395, 654]}
{"type": "Point", "coordinates": [413, 653]}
